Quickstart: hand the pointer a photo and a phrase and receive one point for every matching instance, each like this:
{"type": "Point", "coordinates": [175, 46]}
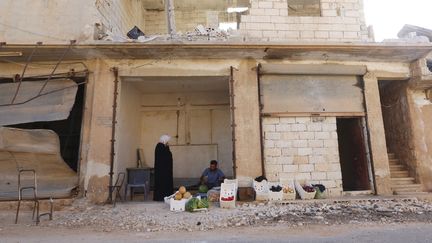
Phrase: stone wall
{"type": "Point", "coordinates": [303, 148]}
{"type": "Point", "coordinates": [340, 20]}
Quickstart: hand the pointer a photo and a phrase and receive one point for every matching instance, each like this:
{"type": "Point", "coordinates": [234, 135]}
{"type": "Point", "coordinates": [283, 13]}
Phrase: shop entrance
{"type": "Point", "coordinates": [353, 154]}
{"type": "Point", "coordinates": [194, 111]}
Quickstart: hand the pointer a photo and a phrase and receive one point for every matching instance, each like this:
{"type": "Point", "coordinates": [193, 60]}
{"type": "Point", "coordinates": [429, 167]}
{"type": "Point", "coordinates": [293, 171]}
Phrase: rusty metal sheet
{"type": "Point", "coordinates": [311, 94]}
{"type": "Point", "coordinates": [55, 103]}
{"type": "Point", "coordinates": [34, 149]}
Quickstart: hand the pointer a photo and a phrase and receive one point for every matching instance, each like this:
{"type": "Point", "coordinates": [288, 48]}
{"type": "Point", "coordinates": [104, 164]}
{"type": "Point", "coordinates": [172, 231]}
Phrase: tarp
{"type": "Point", "coordinates": [54, 104]}
{"type": "Point", "coordinates": [38, 150]}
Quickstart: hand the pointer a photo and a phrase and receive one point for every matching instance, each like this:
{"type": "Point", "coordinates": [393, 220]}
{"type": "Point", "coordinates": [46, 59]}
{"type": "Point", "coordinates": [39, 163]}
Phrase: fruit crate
{"type": "Point", "coordinates": [274, 196]}
{"type": "Point", "coordinates": [304, 195]}
{"type": "Point", "coordinates": [261, 190]}
{"type": "Point", "coordinates": [178, 205]}
{"type": "Point", "coordinates": [288, 195]}
{"type": "Point", "coordinates": [228, 190]}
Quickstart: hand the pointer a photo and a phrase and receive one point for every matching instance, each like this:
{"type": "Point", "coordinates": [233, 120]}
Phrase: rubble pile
{"type": "Point", "coordinates": [152, 217]}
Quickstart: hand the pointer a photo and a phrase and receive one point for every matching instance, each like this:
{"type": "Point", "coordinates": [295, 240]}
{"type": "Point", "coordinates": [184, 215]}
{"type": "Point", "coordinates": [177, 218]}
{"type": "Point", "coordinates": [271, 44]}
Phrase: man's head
{"type": "Point", "coordinates": [213, 165]}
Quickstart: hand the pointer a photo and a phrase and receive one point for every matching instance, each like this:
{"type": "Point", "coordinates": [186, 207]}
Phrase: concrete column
{"type": "Point", "coordinates": [97, 133]}
{"type": "Point", "coordinates": [378, 145]}
{"type": "Point", "coordinates": [247, 121]}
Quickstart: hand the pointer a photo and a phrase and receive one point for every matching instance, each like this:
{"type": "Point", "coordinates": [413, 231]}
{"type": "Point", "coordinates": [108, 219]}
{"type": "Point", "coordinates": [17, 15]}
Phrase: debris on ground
{"type": "Point", "coordinates": [152, 217]}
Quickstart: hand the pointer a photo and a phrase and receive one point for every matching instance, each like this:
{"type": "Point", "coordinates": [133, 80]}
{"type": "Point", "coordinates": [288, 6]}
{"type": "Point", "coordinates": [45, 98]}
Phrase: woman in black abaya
{"type": "Point", "coordinates": [163, 170]}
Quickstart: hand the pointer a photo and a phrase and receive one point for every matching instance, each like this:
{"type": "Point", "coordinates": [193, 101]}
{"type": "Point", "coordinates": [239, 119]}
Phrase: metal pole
{"type": "Point", "coordinates": [114, 122]}
{"type": "Point", "coordinates": [169, 9]}
{"type": "Point", "coordinates": [233, 125]}
{"type": "Point", "coordinates": [258, 69]}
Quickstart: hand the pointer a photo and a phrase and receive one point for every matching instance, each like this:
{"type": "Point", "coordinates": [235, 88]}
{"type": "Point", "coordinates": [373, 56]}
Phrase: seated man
{"type": "Point", "coordinates": [212, 176]}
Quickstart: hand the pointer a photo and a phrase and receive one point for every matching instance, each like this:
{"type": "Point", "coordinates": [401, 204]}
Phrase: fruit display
{"type": "Point", "coordinates": [203, 189]}
{"type": "Point", "coordinates": [308, 189]}
{"type": "Point", "coordinates": [195, 203]}
{"type": "Point", "coordinates": [227, 199]}
{"type": "Point", "coordinates": [182, 194]}
{"type": "Point", "coordinates": [276, 188]}
{"type": "Point", "coordinates": [287, 189]}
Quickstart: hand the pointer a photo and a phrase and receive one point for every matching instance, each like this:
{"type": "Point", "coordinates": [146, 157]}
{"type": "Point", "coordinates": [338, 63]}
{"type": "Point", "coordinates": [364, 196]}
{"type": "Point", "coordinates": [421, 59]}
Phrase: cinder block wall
{"type": "Point", "coordinates": [303, 148]}
{"type": "Point", "coordinates": [340, 20]}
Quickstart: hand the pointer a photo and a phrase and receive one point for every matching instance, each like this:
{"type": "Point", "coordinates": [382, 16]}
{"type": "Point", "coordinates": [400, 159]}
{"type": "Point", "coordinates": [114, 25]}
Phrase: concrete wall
{"type": "Point", "coordinates": [303, 148]}
{"type": "Point", "coordinates": [128, 127]}
{"type": "Point", "coordinates": [58, 21]}
{"type": "Point", "coordinates": [119, 16]}
{"type": "Point", "coordinates": [49, 21]}
{"type": "Point", "coordinates": [340, 20]}
{"type": "Point", "coordinates": [208, 124]}
{"type": "Point", "coordinates": [186, 21]}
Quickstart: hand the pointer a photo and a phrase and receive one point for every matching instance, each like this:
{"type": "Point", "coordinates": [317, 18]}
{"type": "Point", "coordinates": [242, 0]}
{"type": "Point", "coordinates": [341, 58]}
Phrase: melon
{"type": "Point", "coordinates": [187, 195]}
{"type": "Point", "coordinates": [203, 203]}
{"type": "Point", "coordinates": [178, 196]}
{"type": "Point", "coordinates": [203, 189]}
{"type": "Point", "coordinates": [182, 190]}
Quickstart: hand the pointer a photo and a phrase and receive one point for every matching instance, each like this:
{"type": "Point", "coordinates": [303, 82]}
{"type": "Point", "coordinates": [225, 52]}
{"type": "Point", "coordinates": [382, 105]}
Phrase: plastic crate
{"type": "Point", "coordinates": [274, 196]}
{"type": "Point", "coordinates": [178, 205]}
{"type": "Point", "coordinates": [290, 195]}
{"type": "Point", "coordinates": [228, 190]}
{"type": "Point", "coordinates": [304, 195]}
{"type": "Point", "coordinates": [261, 190]}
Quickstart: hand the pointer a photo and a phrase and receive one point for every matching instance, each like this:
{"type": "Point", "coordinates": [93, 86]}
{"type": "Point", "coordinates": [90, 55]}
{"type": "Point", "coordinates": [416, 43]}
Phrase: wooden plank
{"type": "Point", "coordinates": [311, 94]}
{"type": "Point", "coordinates": [313, 69]}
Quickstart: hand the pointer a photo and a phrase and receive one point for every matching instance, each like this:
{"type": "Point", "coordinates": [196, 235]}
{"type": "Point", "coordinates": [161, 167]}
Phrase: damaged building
{"type": "Point", "coordinates": [289, 89]}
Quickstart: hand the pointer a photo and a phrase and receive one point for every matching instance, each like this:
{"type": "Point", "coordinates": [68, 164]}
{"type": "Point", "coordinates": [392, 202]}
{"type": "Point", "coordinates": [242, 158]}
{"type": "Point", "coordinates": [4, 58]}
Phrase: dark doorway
{"type": "Point", "coordinates": [353, 155]}
{"type": "Point", "coordinates": [69, 130]}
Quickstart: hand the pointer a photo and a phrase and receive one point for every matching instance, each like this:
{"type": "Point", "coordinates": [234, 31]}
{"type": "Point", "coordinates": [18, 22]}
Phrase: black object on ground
{"type": "Point", "coordinates": [134, 33]}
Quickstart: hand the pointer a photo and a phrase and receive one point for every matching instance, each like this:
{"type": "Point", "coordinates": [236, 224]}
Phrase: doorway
{"type": "Point", "coordinates": [353, 154]}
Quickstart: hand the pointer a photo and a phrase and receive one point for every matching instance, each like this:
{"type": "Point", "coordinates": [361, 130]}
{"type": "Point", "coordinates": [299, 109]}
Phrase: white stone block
{"type": "Point", "coordinates": [271, 120]}
{"type": "Point", "coordinates": [334, 175]}
{"type": "Point", "coordinates": [319, 176]}
{"type": "Point", "coordinates": [307, 34]}
{"type": "Point", "coordinates": [265, 4]}
{"type": "Point", "coordinates": [260, 19]}
{"type": "Point", "coordinates": [316, 159]}
{"type": "Point", "coordinates": [272, 12]}
{"type": "Point", "coordinates": [321, 34]}
{"type": "Point", "coordinates": [297, 160]}
{"type": "Point", "coordinates": [329, 127]}
{"type": "Point", "coordinates": [330, 143]}
{"type": "Point", "coordinates": [315, 143]}
{"type": "Point", "coordinates": [286, 160]}
{"type": "Point", "coordinates": [306, 135]}
{"type": "Point", "coordinates": [272, 135]}
{"type": "Point", "coordinates": [353, 35]}
{"type": "Point", "coordinates": [289, 151]}
{"type": "Point", "coordinates": [319, 151]}
{"type": "Point", "coordinates": [272, 152]}
{"type": "Point", "coordinates": [290, 168]}
{"type": "Point", "coordinates": [314, 127]}
{"type": "Point", "coordinates": [304, 151]}
{"type": "Point", "coordinates": [306, 168]}
{"type": "Point", "coordinates": [283, 128]}
{"type": "Point", "coordinates": [269, 168]}
{"type": "Point", "coordinates": [322, 167]}
{"type": "Point", "coordinates": [299, 143]}
{"type": "Point", "coordinates": [335, 167]}
{"type": "Point", "coordinates": [303, 176]}
{"type": "Point", "coordinates": [298, 127]}
{"type": "Point", "coordinates": [269, 144]}
{"type": "Point", "coordinates": [287, 120]}
{"type": "Point", "coordinates": [322, 135]}
{"type": "Point", "coordinates": [269, 128]}
{"type": "Point", "coordinates": [290, 135]}
{"type": "Point", "coordinates": [280, 5]}
{"type": "Point", "coordinates": [283, 144]}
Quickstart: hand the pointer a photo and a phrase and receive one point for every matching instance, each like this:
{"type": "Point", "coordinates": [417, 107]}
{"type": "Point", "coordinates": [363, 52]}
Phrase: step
{"type": "Point", "coordinates": [397, 167]}
{"type": "Point", "coordinates": [394, 161]}
{"type": "Point", "coordinates": [403, 181]}
{"type": "Point", "coordinates": [391, 155]}
{"type": "Point", "coordinates": [415, 193]}
{"type": "Point", "coordinates": [406, 187]}
{"type": "Point", "coordinates": [399, 174]}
